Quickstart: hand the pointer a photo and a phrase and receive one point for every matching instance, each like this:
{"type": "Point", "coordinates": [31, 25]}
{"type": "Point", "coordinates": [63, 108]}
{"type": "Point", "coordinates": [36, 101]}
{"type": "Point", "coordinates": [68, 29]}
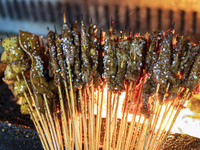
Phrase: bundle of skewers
{"type": "Point", "coordinates": [69, 82]}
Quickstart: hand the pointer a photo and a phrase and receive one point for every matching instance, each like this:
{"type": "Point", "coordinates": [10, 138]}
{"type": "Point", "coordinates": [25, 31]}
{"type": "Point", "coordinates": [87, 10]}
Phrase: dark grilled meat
{"type": "Point", "coordinates": [51, 44]}
{"type": "Point", "coordinates": [122, 60]}
{"type": "Point", "coordinates": [77, 81]}
{"type": "Point", "coordinates": [85, 54]}
{"type": "Point", "coordinates": [110, 60]}
{"type": "Point", "coordinates": [136, 58]}
{"type": "Point", "coordinates": [93, 46]}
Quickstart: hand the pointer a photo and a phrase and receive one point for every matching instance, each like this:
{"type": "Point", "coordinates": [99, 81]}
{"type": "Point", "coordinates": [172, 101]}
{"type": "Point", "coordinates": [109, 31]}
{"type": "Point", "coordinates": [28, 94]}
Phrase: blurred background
{"type": "Point", "coordinates": [135, 15]}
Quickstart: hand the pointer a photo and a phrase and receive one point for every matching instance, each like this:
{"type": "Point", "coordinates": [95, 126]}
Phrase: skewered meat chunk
{"type": "Point", "coordinates": [67, 43]}
{"type": "Point", "coordinates": [93, 50]}
{"type": "Point", "coordinates": [40, 104]}
{"type": "Point", "coordinates": [51, 44]}
{"type": "Point", "coordinates": [122, 58]}
{"type": "Point", "coordinates": [10, 43]}
{"type": "Point", "coordinates": [150, 60]}
{"type": "Point", "coordinates": [20, 66]}
{"type": "Point", "coordinates": [16, 54]}
{"type": "Point", "coordinates": [152, 53]}
{"type": "Point", "coordinates": [5, 57]}
{"type": "Point", "coordinates": [175, 68]}
{"type": "Point", "coordinates": [173, 90]}
{"type": "Point", "coordinates": [192, 80]}
{"type": "Point", "coordinates": [24, 106]}
{"type": "Point", "coordinates": [194, 50]}
{"type": "Point", "coordinates": [85, 51]}
{"type": "Point", "coordinates": [77, 78]}
{"type": "Point", "coordinates": [93, 44]}
{"type": "Point", "coordinates": [30, 44]}
{"type": "Point", "coordinates": [20, 87]}
{"type": "Point", "coordinates": [12, 53]}
{"type": "Point", "coordinates": [9, 75]}
{"type": "Point", "coordinates": [185, 53]}
{"type": "Point", "coordinates": [176, 54]}
{"type": "Point", "coordinates": [161, 69]}
{"type": "Point", "coordinates": [61, 58]}
{"type": "Point", "coordinates": [147, 91]}
{"type": "Point", "coordinates": [136, 58]}
{"type": "Point", "coordinates": [110, 60]}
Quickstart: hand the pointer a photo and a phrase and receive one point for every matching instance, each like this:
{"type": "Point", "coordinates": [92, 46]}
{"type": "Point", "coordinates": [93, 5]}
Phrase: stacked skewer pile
{"type": "Point", "coordinates": [66, 83]}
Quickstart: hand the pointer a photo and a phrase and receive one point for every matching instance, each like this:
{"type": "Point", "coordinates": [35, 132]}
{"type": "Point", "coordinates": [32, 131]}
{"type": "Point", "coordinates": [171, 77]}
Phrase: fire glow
{"type": "Point", "coordinates": [158, 124]}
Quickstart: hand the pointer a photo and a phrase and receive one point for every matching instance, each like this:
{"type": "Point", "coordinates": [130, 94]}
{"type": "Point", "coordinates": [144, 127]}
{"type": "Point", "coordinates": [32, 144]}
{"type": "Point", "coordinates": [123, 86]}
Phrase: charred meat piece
{"type": "Point", "coordinates": [185, 53]}
{"type": "Point", "coordinates": [152, 53]}
{"type": "Point", "coordinates": [193, 52]}
{"type": "Point", "coordinates": [92, 49]}
{"type": "Point", "coordinates": [147, 91]}
{"type": "Point", "coordinates": [67, 43]}
{"type": "Point", "coordinates": [77, 74]}
{"type": "Point", "coordinates": [192, 80]}
{"type": "Point", "coordinates": [30, 44]}
{"type": "Point", "coordinates": [161, 69]}
{"type": "Point", "coordinates": [24, 106]}
{"type": "Point", "coordinates": [135, 58]}
{"type": "Point", "coordinates": [110, 60]}
{"type": "Point", "coordinates": [61, 58]}
{"type": "Point", "coordinates": [174, 89]}
{"type": "Point", "coordinates": [85, 54]}
{"type": "Point", "coordinates": [9, 75]}
{"type": "Point", "coordinates": [51, 45]}
{"type": "Point", "coordinates": [150, 60]}
{"type": "Point", "coordinates": [122, 60]}
{"type": "Point", "coordinates": [93, 45]}
{"type": "Point", "coordinates": [176, 54]}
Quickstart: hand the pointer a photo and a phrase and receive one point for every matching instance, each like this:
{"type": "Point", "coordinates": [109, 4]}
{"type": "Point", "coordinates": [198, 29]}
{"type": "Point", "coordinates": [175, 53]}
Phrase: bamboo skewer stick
{"type": "Point", "coordinates": [51, 130]}
{"type": "Point", "coordinates": [92, 108]}
{"type": "Point", "coordinates": [79, 138]}
{"type": "Point", "coordinates": [70, 111]}
{"type": "Point", "coordinates": [72, 134]}
{"type": "Point", "coordinates": [99, 119]}
{"type": "Point", "coordinates": [63, 118]}
{"type": "Point", "coordinates": [113, 102]}
{"type": "Point", "coordinates": [131, 128]}
{"type": "Point", "coordinates": [31, 109]}
{"type": "Point", "coordinates": [84, 121]}
{"type": "Point", "coordinates": [121, 132]}
{"type": "Point", "coordinates": [163, 117]}
{"type": "Point", "coordinates": [37, 125]}
{"type": "Point", "coordinates": [47, 132]}
{"type": "Point", "coordinates": [174, 119]}
{"type": "Point", "coordinates": [85, 108]}
{"type": "Point", "coordinates": [108, 141]}
{"type": "Point", "coordinates": [136, 131]}
{"type": "Point", "coordinates": [90, 119]}
{"type": "Point", "coordinates": [115, 123]}
{"type": "Point", "coordinates": [98, 99]}
{"type": "Point", "coordinates": [34, 103]}
{"type": "Point", "coordinates": [51, 120]}
{"type": "Point", "coordinates": [73, 109]}
{"type": "Point", "coordinates": [168, 119]}
{"type": "Point", "coordinates": [152, 130]}
{"type": "Point", "coordinates": [38, 131]}
{"type": "Point", "coordinates": [58, 131]}
{"type": "Point", "coordinates": [142, 134]}
{"type": "Point", "coordinates": [185, 97]}
{"type": "Point", "coordinates": [130, 97]}
{"type": "Point", "coordinates": [150, 118]}
{"type": "Point", "coordinates": [158, 111]}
